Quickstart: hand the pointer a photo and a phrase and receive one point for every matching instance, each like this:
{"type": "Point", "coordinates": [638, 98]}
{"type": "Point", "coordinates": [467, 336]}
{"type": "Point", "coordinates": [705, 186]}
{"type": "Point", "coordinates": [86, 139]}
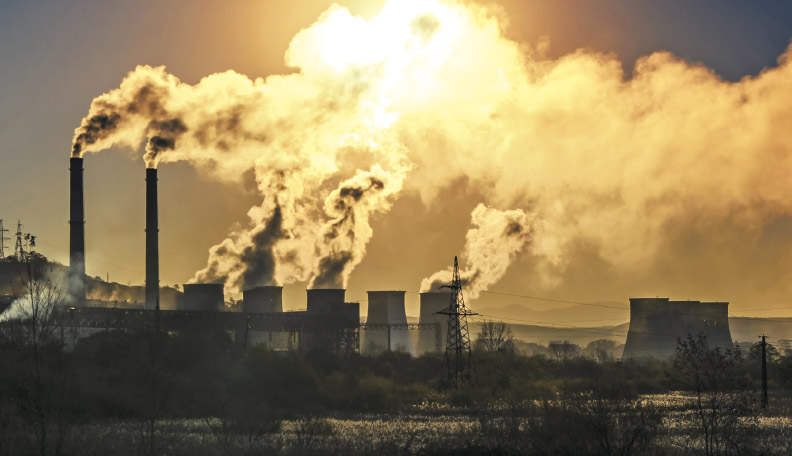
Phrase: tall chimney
{"type": "Point", "coordinates": [77, 233]}
{"type": "Point", "coordinates": [152, 241]}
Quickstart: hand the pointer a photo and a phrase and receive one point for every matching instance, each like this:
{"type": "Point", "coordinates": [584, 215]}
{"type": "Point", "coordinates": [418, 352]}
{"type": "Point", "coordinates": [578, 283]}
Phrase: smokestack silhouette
{"type": "Point", "coordinates": [152, 241]}
{"type": "Point", "coordinates": [77, 232]}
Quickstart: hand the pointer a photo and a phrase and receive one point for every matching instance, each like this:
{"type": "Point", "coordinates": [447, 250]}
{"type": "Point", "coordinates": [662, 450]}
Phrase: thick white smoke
{"type": "Point", "coordinates": [434, 87]}
{"type": "Point", "coordinates": [490, 248]}
{"type": "Point", "coordinates": [343, 239]}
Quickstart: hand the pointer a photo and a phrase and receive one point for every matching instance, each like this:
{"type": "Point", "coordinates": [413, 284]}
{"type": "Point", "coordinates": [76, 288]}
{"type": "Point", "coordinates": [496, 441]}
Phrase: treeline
{"type": "Point", "coordinates": [147, 377]}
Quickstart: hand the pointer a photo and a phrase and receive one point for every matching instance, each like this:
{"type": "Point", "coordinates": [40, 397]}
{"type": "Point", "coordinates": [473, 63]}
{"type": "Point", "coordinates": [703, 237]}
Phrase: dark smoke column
{"type": "Point", "coordinates": [77, 233]}
{"type": "Point", "coordinates": [152, 241]}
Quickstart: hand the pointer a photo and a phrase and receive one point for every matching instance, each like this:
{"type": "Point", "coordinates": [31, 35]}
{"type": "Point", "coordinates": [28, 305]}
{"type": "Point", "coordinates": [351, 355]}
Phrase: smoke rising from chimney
{"type": "Point", "coordinates": [611, 162]}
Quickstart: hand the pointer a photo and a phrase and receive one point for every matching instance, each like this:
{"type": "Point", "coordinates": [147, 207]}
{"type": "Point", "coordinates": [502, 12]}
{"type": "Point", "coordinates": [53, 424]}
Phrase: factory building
{"type": "Point", "coordinates": [657, 323]}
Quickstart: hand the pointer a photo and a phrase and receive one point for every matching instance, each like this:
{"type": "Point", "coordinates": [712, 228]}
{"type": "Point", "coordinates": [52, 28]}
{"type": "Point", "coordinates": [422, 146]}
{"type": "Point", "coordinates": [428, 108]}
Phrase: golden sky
{"type": "Point", "coordinates": [664, 179]}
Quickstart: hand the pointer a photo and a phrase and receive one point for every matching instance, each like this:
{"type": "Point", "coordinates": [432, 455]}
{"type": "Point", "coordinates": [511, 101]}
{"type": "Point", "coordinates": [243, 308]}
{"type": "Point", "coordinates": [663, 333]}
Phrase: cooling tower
{"type": "Point", "coordinates": [657, 323]}
{"type": "Point", "coordinates": [325, 300]}
{"type": "Point", "coordinates": [152, 241]}
{"type": "Point", "coordinates": [387, 307]}
{"type": "Point", "coordinates": [204, 297]}
{"type": "Point", "coordinates": [262, 300]}
{"type": "Point", "coordinates": [431, 303]}
{"type": "Point", "coordinates": [77, 233]}
{"type": "Point", "coordinates": [350, 313]}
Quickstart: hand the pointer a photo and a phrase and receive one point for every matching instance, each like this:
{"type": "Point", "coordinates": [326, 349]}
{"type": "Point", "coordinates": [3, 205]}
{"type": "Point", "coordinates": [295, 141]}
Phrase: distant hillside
{"type": "Point", "coordinates": [742, 329]}
{"type": "Point", "coordinates": [597, 314]}
{"type": "Point", "coordinates": [749, 329]}
{"type": "Point", "coordinates": [116, 294]}
{"type": "Point", "coordinates": [581, 336]}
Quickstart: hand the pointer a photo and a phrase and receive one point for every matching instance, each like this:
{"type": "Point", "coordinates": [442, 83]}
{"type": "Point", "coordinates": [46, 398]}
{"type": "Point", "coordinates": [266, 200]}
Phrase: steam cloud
{"type": "Point", "coordinates": [620, 165]}
{"type": "Point", "coordinates": [343, 239]}
{"type": "Point", "coordinates": [490, 248]}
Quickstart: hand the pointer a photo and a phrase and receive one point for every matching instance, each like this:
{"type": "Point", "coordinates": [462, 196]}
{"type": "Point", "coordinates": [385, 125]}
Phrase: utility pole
{"type": "Point", "coordinates": [764, 371]}
{"type": "Point", "coordinates": [3, 238]}
{"type": "Point", "coordinates": [458, 363]}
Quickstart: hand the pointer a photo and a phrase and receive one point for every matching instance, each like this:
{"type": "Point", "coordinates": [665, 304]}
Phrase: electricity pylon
{"type": "Point", "coordinates": [19, 250]}
{"type": "Point", "coordinates": [3, 238]}
{"type": "Point", "coordinates": [458, 363]}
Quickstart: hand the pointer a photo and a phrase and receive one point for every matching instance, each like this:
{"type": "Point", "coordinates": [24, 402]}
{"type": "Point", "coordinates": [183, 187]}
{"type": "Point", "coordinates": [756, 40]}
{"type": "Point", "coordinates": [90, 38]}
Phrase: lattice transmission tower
{"type": "Point", "coordinates": [19, 250]}
{"type": "Point", "coordinates": [3, 238]}
{"type": "Point", "coordinates": [458, 363]}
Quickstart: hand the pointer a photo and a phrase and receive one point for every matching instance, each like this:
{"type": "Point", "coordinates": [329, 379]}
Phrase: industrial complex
{"type": "Point", "coordinates": [329, 322]}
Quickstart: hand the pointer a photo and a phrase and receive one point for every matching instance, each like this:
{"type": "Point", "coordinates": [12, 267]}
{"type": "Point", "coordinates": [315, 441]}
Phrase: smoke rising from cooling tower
{"type": "Point", "coordinates": [490, 248]}
{"type": "Point", "coordinates": [601, 159]}
{"type": "Point", "coordinates": [343, 239]}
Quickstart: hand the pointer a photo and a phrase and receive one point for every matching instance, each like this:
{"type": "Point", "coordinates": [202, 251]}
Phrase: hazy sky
{"type": "Point", "coordinates": [58, 55]}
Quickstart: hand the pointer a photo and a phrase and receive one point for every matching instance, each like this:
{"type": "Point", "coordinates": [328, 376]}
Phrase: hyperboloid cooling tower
{"type": "Point", "coordinates": [387, 308]}
{"type": "Point", "coordinates": [431, 303]}
{"type": "Point", "coordinates": [325, 300]}
{"type": "Point", "coordinates": [204, 297]}
{"type": "Point", "coordinates": [263, 300]}
{"type": "Point", "coordinates": [657, 323]}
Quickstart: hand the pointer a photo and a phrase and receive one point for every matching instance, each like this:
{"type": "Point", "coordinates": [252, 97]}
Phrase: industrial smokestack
{"type": "Point", "coordinates": [152, 241]}
{"type": "Point", "coordinates": [77, 233]}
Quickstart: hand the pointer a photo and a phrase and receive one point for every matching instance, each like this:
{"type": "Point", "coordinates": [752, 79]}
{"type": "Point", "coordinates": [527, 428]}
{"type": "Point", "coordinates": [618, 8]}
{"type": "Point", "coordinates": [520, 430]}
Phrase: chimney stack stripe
{"type": "Point", "coordinates": [152, 240]}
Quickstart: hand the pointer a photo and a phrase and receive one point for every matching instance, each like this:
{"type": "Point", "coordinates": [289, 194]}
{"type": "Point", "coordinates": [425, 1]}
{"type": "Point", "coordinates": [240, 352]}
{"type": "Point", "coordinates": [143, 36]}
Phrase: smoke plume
{"type": "Point", "coordinates": [490, 248]}
{"type": "Point", "coordinates": [343, 239]}
{"type": "Point", "coordinates": [624, 166]}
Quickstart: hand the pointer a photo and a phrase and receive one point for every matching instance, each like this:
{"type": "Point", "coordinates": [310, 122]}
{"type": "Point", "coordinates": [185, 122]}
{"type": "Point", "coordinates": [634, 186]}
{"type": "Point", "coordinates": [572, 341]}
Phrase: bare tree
{"type": "Point", "coordinates": [755, 353]}
{"type": "Point", "coordinates": [564, 350]}
{"type": "Point", "coordinates": [495, 337]}
{"type": "Point", "coordinates": [601, 349]}
{"type": "Point", "coordinates": [35, 310]}
{"type": "Point", "coordinates": [618, 426]}
{"type": "Point", "coordinates": [721, 400]}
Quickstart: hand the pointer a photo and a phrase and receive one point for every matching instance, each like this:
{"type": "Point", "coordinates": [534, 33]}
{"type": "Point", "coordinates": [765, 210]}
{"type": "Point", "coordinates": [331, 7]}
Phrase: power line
{"type": "Point", "coordinates": [555, 300]}
{"type": "Point", "coordinates": [665, 312]}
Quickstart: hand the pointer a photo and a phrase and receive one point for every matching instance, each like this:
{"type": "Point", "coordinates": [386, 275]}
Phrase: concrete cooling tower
{"type": "Point", "coordinates": [325, 300]}
{"type": "Point", "coordinates": [387, 308]}
{"type": "Point", "coordinates": [203, 297]}
{"type": "Point", "coordinates": [431, 303]}
{"type": "Point", "coordinates": [657, 323]}
{"type": "Point", "coordinates": [262, 300]}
